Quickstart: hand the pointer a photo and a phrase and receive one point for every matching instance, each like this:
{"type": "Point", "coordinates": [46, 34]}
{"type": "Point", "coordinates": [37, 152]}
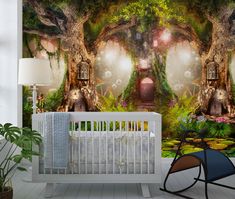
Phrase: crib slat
{"type": "Point", "coordinates": [92, 147]}
{"type": "Point", "coordinates": [114, 129]}
{"type": "Point", "coordinates": [134, 147]}
{"type": "Point", "coordinates": [99, 127]}
{"type": "Point", "coordinates": [141, 147]}
{"type": "Point", "coordinates": [86, 147]}
{"type": "Point", "coordinates": [79, 147]}
{"type": "Point", "coordinates": [106, 144]}
{"type": "Point", "coordinates": [72, 149]}
{"type": "Point", "coordinates": [127, 159]}
{"type": "Point", "coordinates": [148, 142]}
{"type": "Point", "coordinates": [120, 155]}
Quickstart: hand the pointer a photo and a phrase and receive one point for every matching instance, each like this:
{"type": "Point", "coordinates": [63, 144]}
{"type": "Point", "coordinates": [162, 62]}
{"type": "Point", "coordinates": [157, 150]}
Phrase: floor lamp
{"type": "Point", "coordinates": [34, 72]}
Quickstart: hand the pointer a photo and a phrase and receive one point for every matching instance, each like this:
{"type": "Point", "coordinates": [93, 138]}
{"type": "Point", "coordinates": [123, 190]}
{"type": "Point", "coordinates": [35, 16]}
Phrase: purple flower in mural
{"type": "Point", "coordinates": [124, 104]}
{"type": "Point", "coordinates": [172, 103]}
{"type": "Point", "coordinates": [201, 118]}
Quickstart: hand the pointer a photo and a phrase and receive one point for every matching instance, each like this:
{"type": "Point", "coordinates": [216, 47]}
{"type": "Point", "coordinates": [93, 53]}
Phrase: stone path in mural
{"type": "Point", "coordinates": [227, 146]}
{"type": "Point", "coordinates": [143, 106]}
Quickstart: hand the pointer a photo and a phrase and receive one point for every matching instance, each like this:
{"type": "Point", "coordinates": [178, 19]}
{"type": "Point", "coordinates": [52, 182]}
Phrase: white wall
{"type": "Point", "coordinates": [10, 52]}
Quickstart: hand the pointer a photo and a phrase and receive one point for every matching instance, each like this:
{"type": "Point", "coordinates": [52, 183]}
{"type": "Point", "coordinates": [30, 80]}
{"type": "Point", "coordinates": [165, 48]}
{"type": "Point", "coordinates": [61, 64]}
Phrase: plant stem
{"type": "Point", "coordinates": [10, 170]}
{"type": "Point", "coordinates": [6, 155]}
{"type": "Point", "coordinates": [3, 146]}
{"type": "Point", "coordinates": [9, 179]}
{"type": "Point", "coordinates": [8, 158]}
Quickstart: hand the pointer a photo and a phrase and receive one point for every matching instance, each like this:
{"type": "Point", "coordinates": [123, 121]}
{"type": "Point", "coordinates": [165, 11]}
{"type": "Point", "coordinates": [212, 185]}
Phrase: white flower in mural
{"type": "Point", "coordinates": [178, 87]}
{"type": "Point", "coordinates": [114, 86]}
{"type": "Point", "coordinates": [188, 74]}
{"type": "Point", "coordinates": [119, 81]}
{"type": "Point", "coordinates": [108, 74]}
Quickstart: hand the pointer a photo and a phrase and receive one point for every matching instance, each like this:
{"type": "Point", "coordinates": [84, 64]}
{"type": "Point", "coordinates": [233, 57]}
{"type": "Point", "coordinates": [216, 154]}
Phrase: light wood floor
{"type": "Point", "coordinates": [25, 190]}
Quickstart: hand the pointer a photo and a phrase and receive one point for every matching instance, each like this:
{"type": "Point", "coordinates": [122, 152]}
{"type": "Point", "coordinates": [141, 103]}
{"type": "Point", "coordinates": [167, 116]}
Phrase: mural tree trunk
{"type": "Point", "coordinates": [80, 93]}
{"type": "Point", "coordinates": [215, 97]}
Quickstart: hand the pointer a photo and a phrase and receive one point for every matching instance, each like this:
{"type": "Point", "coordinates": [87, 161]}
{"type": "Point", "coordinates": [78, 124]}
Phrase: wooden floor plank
{"type": "Point", "coordinates": [26, 190]}
{"type": "Point", "coordinates": [108, 191]}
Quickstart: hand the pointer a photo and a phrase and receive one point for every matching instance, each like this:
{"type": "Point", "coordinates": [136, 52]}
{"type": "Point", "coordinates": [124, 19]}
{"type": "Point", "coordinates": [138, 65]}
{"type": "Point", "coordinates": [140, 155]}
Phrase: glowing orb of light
{"type": "Point", "coordinates": [185, 55]}
{"type": "Point", "coordinates": [182, 70]}
{"type": "Point", "coordinates": [143, 64]}
{"type": "Point", "coordinates": [188, 74]}
{"type": "Point", "coordinates": [113, 67]}
{"type": "Point", "coordinates": [110, 55]}
{"type": "Point", "coordinates": [165, 36]}
{"type": "Point", "coordinates": [108, 74]}
{"type": "Point", "coordinates": [125, 63]}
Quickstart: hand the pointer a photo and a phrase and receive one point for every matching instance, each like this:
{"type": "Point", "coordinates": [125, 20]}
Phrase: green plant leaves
{"type": "Point", "coordinates": [21, 168]}
{"type": "Point", "coordinates": [23, 138]}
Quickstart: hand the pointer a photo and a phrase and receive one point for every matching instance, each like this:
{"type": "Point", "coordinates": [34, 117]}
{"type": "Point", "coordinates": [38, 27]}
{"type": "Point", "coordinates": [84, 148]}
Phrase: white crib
{"type": "Point", "coordinates": [115, 147]}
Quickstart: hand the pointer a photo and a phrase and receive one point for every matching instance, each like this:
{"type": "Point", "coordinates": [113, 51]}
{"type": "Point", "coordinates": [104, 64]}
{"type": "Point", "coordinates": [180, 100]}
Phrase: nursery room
{"type": "Point", "coordinates": [117, 99]}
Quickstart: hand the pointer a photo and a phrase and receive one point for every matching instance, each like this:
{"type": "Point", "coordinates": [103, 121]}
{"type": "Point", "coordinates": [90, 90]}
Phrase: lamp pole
{"type": "Point", "coordinates": [34, 99]}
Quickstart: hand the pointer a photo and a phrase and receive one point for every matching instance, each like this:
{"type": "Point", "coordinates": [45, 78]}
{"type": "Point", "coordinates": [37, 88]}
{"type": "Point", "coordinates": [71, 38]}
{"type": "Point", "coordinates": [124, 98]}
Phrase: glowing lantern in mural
{"type": "Point", "coordinates": [143, 64]}
{"type": "Point", "coordinates": [155, 43]}
{"type": "Point", "coordinates": [165, 36]}
{"type": "Point", "coordinates": [83, 71]}
{"type": "Point", "coordinates": [147, 89]}
{"type": "Point", "coordinates": [145, 45]}
{"type": "Point", "coordinates": [128, 33]}
{"type": "Point", "coordinates": [138, 36]}
{"type": "Point", "coordinates": [212, 71]}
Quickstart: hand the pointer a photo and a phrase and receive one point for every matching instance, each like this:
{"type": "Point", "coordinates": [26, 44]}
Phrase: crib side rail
{"type": "Point", "coordinates": [102, 120]}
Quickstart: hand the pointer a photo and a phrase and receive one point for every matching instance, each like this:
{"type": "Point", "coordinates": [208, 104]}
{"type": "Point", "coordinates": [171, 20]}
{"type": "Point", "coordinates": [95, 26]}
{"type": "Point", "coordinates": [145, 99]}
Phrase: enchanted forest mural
{"type": "Point", "coordinates": [173, 57]}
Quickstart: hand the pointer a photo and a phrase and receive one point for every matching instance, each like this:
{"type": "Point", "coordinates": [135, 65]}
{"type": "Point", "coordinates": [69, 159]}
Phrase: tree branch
{"type": "Point", "coordinates": [42, 34]}
{"type": "Point", "coordinates": [47, 16]}
{"type": "Point", "coordinates": [111, 29]}
{"type": "Point", "coordinates": [189, 33]}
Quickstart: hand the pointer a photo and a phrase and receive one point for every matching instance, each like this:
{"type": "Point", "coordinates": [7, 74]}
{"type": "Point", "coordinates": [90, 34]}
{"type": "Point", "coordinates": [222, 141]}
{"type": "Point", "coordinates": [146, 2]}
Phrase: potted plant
{"type": "Point", "coordinates": [16, 146]}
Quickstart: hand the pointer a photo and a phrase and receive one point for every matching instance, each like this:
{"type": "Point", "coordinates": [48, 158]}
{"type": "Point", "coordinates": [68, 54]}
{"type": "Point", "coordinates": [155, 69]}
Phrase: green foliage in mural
{"type": "Point", "coordinates": [202, 7]}
{"type": "Point", "coordinates": [130, 89]}
{"type": "Point", "coordinates": [54, 99]}
{"type": "Point", "coordinates": [163, 90]}
{"type": "Point", "coordinates": [175, 112]}
{"type": "Point", "coordinates": [220, 129]}
{"type": "Point", "coordinates": [148, 12]}
{"type": "Point", "coordinates": [233, 90]}
{"type": "Point", "coordinates": [27, 106]}
{"type": "Point", "coordinates": [112, 104]}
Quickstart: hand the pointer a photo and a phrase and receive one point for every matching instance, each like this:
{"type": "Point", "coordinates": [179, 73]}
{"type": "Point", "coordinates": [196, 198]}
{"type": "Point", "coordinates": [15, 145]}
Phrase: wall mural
{"type": "Point", "coordinates": [173, 57]}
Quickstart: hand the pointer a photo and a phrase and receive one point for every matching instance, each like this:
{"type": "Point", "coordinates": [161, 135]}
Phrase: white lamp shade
{"type": "Point", "coordinates": [34, 71]}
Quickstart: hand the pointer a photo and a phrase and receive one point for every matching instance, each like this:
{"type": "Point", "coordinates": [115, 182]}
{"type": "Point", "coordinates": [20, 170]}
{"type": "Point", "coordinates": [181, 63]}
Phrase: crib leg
{"type": "Point", "coordinates": [49, 190]}
{"type": "Point", "coordinates": [145, 190]}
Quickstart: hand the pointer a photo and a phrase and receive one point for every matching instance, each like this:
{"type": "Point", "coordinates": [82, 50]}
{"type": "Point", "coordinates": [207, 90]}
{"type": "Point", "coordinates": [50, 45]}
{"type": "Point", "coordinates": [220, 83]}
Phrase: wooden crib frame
{"type": "Point", "coordinates": [154, 126]}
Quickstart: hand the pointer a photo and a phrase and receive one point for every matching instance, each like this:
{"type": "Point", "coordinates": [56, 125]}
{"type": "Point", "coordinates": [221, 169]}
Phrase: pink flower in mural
{"type": "Point", "coordinates": [220, 120]}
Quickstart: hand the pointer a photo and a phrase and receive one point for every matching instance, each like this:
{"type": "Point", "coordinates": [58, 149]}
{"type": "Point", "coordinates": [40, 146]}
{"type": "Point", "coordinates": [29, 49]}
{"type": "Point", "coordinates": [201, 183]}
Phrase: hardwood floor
{"type": "Point", "coordinates": [26, 190]}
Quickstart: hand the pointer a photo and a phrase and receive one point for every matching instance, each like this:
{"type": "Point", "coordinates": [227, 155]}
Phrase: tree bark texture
{"type": "Point", "coordinates": [215, 96]}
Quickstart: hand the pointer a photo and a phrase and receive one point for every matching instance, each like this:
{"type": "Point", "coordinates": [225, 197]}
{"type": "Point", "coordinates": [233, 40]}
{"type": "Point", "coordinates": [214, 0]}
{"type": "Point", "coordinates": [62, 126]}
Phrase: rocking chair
{"type": "Point", "coordinates": [215, 164]}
